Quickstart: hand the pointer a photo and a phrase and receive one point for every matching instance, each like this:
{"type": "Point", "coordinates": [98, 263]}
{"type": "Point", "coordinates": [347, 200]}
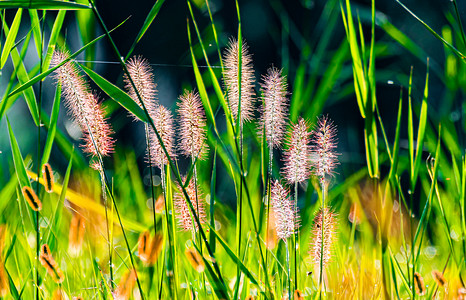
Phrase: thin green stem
{"type": "Point", "coordinates": [296, 236]}
{"type": "Point", "coordinates": [321, 269]}
{"type": "Point", "coordinates": [288, 268]}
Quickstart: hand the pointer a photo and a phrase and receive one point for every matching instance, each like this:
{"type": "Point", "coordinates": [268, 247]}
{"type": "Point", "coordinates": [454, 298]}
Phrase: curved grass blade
{"type": "Point", "coordinates": [18, 159]}
{"type": "Point", "coordinates": [57, 25]}
{"type": "Point", "coordinates": [116, 93]}
{"type": "Point", "coordinates": [149, 19]}
{"type": "Point", "coordinates": [42, 75]}
{"type": "Point", "coordinates": [52, 128]}
{"type": "Point", "coordinates": [42, 4]}
{"type": "Point", "coordinates": [11, 37]}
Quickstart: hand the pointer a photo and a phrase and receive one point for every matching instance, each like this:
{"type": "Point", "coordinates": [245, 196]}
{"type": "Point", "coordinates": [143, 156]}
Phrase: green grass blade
{"type": "Point", "coordinates": [396, 144]}
{"type": "Point", "coordinates": [410, 125]}
{"type": "Point", "coordinates": [42, 75]}
{"type": "Point", "coordinates": [52, 127]}
{"type": "Point", "coordinates": [452, 48]}
{"type": "Point", "coordinates": [421, 129]}
{"type": "Point", "coordinates": [35, 27]}
{"type": "Point", "coordinates": [57, 25]}
{"type": "Point", "coordinates": [213, 180]}
{"type": "Point", "coordinates": [18, 159]}
{"type": "Point", "coordinates": [116, 93]}
{"type": "Point", "coordinates": [201, 85]}
{"type": "Point", "coordinates": [42, 4]}
{"type": "Point", "coordinates": [11, 37]}
{"type": "Point", "coordinates": [149, 19]}
{"type": "Point", "coordinates": [236, 259]}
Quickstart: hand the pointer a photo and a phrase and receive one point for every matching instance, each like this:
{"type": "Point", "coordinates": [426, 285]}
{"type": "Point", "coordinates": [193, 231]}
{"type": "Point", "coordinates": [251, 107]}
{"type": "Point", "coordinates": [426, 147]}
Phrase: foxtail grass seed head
{"type": "Point", "coordinates": [49, 263]}
{"type": "Point", "coordinates": [76, 234]}
{"type": "Point", "coordinates": [296, 156]}
{"type": "Point", "coordinates": [163, 122]}
{"type": "Point", "coordinates": [323, 242]}
{"type": "Point", "coordinates": [439, 278]}
{"type": "Point", "coordinates": [324, 157]}
{"type": "Point", "coordinates": [195, 259]}
{"type": "Point", "coordinates": [47, 175]}
{"type": "Point", "coordinates": [125, 288]}
{"type": "Point", "coordinates": [32, 198]}
{"type": "Point", "coordinates": [274, 112]}
{"type": "Point", "coordinates": [143, 78]}
{"type": "Point", "coordinates": [78, 298]}
{"type": "Point", "coordinates": [283, 211]}
{"type": "Point", "coordinates": [419, 284]}
{"type": "Point", "coordinates": [4, 282]}
{"type": "Point", "coordinates": [192, 125]}
{"type": "Point", "coordinates": [83, 106]}
{"type": "Point", "coordinates": [230, 78]}
{"type": "Point", "coordinates": [183, 211]}
{"type": "Point", "coordinates": [154, 248]}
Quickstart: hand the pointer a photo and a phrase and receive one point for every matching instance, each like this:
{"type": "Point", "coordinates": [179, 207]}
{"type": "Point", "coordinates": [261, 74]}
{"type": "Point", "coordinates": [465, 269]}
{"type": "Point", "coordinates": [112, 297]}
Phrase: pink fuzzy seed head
{"type": "Point", "coordinates": [183, 211]}
{"type": "Point", "coordinates": [283, 210]}
{"type": "Point", "coordinates": [143, 78]}
{"type": "Point", "coordinates": [296, 156]}
{"type": "Point", "coordinates": [230, 77]}
{"type": "Point", "coordinates": [274, 107]}
{"type": "Point", "coordinates": [323, 150]}
{"type": "Point", "coordinates": [192, 125]}
{"type": "Point", "coordinates": [163, 122]}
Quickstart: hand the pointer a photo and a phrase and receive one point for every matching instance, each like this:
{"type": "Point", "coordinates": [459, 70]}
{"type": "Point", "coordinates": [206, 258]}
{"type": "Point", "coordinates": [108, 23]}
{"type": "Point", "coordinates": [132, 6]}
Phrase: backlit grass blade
{"type": "Point", "coordinates": [421, 130]}
{"type": "Point", "coordinates": [57, 25]}
{"type": "Point", "coordinates": [42, 4]}
{"type": "Point", "coordinates": [116, 93]}
{"type": "Point", "coordinates": [42, 75]}
{"type": "Point", "coordinates": [236, 259]}
{"type": "Point", "coordinates": [18, 159]}
{"type": "Point", "coordinates": [149, 19]}
{"type": "Point", "coordinates": [218, 286]}
{"type": "Point", "coordinates": [23, 77]}
{"type": "Point", "coordinates": [452, 48]}
{"type": "Point", "coordinates": [200, 84]}
{"type": "Point", "coordinates": [52, 127]}
{"type": "Point", "coordinates": [11, 37]}
{"type": "Point", "coordinates": [213, 180]}
{"type": "Point", "coordinates": [36, 29]}
{"type": "Point", "coordinates": [7, 102]}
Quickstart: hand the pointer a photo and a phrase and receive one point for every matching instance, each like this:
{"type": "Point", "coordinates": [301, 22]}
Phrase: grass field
{"type": "Point", "coordinates": [239, 188]}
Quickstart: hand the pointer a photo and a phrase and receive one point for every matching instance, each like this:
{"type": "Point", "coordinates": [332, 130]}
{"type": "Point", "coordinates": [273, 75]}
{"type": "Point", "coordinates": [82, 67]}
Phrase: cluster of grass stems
{"type": "Point", "coordinates": [395, 228]}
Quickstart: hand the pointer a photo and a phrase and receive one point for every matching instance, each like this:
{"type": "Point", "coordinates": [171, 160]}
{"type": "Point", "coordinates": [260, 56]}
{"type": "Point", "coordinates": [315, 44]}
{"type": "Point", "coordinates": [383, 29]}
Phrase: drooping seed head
{"type": "Point", "coordinates": [143, 78]}
{"type": "Point", "coordinates": [274, 107]}
{"type": "Point", "coordinates": [296, 156]}
{"type": "Point", "coordinates": [83, 106]}
{"type": "Point", "coordinates": [163, 122]}
{"type": "Point", "coordinates": [323, 150]}
{"type": "Point", "coordinates": [283, 210]}
{"type": "Point", "coordinates": [149, 248]}
{"type": "Point", "coordinates": [321, 245]}
{"type": "Point", "coordinates": [192, 125]}
{"type": "Point", "coordinates": [235, 92]}
{"type": "Point", "coordinates": [183, 210]}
